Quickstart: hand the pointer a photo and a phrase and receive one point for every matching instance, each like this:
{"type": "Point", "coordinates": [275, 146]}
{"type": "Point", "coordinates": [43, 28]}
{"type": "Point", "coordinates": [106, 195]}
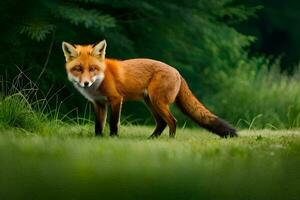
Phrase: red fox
{"type": "Point", "coordinates": [108, 81]}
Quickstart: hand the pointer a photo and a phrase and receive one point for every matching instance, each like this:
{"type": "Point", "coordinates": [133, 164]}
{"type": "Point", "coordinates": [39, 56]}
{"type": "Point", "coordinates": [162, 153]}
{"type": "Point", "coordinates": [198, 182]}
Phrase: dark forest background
{"type": "Point", "coordinates": [239, 57]}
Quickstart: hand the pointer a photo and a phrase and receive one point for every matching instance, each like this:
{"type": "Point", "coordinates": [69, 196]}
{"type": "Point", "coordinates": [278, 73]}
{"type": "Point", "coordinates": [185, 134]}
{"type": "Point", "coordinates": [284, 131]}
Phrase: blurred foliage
{"type": "Point", "coordinates": [259, 98]}
{"type": "Point", "coordinates": [277, 31]}
{"type": "Point", "coordinates": [199, 38]}
{"type": "Point", "coordinates": [192, 36]}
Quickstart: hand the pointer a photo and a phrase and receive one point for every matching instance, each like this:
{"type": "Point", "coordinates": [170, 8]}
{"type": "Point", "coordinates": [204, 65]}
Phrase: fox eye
{"type": "Point", "coordinates": [77, 68]}
{"type": "Point", "coordinates": [92, 68]}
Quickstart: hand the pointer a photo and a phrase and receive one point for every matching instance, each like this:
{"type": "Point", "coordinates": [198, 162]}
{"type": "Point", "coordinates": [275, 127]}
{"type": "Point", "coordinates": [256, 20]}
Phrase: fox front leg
{"type": "Point", "coordinates": [114, 122]}
{"type": "Point", "coordinates": [100, 119]}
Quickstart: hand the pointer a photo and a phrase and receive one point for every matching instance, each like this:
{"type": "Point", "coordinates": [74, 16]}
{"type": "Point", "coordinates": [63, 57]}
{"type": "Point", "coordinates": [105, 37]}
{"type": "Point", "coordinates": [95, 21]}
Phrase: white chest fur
{"type": "Point", "coordinates": [91, 93]}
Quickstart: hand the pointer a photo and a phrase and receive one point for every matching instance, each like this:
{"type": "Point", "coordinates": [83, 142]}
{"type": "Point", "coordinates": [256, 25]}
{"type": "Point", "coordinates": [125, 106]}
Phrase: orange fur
{"type": "Point", "coordinates": [157, 83]}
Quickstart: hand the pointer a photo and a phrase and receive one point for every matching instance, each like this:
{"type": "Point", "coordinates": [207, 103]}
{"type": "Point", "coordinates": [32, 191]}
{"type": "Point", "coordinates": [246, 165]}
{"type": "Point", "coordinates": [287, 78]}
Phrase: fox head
{"type": "Point", "coordinates": [85, 64]}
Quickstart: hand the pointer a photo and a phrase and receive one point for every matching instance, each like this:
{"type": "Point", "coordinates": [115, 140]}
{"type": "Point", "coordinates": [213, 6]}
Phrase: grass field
{"type": "Point", "coordinates": [69, 163]}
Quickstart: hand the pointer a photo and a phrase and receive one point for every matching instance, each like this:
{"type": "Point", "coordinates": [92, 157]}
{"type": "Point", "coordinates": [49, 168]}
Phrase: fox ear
{"type": "Point", "coordinates": [99, 49]}
{"type": "Point", "coordinates": [69, 51]}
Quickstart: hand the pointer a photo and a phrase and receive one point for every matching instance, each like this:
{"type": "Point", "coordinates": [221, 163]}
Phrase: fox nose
{"type": "Point", "coordinates": [86, 84]}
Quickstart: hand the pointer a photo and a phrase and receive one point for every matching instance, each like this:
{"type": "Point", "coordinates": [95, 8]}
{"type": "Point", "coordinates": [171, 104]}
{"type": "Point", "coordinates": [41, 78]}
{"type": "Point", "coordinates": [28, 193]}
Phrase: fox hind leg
{"type": "Point", "coordinates": [163, 110]}
{"type": "Point", "coordinates": [160, 123]}
{"type": "Point", "coordinates": [165, 113]}
{"type": "Point", "coordinates": [162, 91]}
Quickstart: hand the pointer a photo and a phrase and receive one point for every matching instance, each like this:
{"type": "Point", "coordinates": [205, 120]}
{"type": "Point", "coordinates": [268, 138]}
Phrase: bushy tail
{"type": "Point", "coordinates": [192, 107]}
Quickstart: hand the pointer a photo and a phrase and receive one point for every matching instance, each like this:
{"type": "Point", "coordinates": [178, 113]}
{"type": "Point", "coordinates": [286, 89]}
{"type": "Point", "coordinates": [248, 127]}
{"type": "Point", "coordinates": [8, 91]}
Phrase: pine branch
{"type": "Point", "coordinates": [37, 30]}
{"type": "Point", "coordinates": [89, 18]}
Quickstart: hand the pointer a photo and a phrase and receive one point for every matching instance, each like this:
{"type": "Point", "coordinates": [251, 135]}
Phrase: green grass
{"type": "Point", "coordinates": [257, 98]}
{"type": "Point", "coordinates": [42, 157]}
{"type": "Point", "coordinates": [68, 162]}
